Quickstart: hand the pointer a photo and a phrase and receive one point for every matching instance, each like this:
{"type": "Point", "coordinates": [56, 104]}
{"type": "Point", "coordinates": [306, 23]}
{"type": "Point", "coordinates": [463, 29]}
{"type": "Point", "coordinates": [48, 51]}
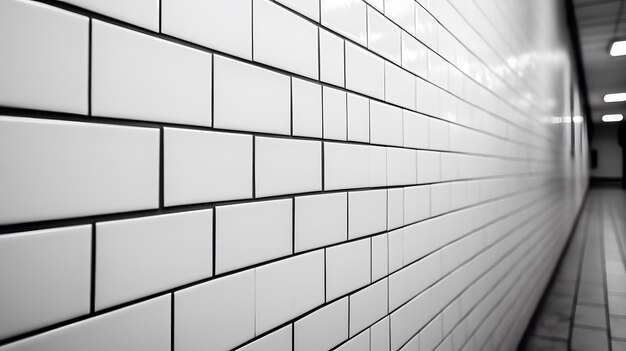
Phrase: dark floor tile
{"type": "Point", "coordinates": [618, 327]}
{"type": "Point", "coordinates": [590, 316]}
{"type": "Point", "coordinates": [618, 345]}
{"type": "Point", "coordinates": [563, 287]}
{"type": "Point", "coordinates": [591, 293]}
{"type": "Point", "coordinates": [541, 344]}
{"type": "Point", "coordinates": [617, 305]}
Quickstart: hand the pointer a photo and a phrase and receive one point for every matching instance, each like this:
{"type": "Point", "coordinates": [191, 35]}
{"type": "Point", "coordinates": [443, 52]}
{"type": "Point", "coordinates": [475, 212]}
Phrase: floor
{"type": "Point", "coordinates": [585, 306]}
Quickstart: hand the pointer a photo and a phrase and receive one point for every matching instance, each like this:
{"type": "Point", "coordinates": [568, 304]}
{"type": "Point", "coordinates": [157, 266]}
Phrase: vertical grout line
{"type": "Point", "coordinates": [293, 225]}
{"type": "Point", "coordinates": [213, 90]}
{"type": "Point", "coordinates": [323, 165]}
{"type": "Point", "coordinates": [291, 106]}
{"type": "Point", "coordinates": [161, 167]}
{"type": "Point", "coordinates": [253, 166]}
{"type": "Point", "coordinates": [349, 334]}
{"type": "Point", "coordinates": [347, 216]}
{"type": "Point", "coordinates": [325, 286]}
{"type": "Point", "coordinates": [319, 53]}
{"type": "Point", "coordinates": [347, 125]}
{"type": "Point", "coordinates": [92, 299]}
{"type": "Point", "coordinates": [371, 258]}
{"type": "Point", "coordinates": [160, 21]}
{"type": "Point", "coordinates": [293, 336]}
{"type": "Point", "coordinates": [89, 66]}
{"type": "Point", "coordinates": [252, 30]}
{"type": "Point", "coordinates": [213, 241]}
{"type": "Point", "coordinates": [345, 80]}
{"type": "Point", "coordinates": [172, 322]}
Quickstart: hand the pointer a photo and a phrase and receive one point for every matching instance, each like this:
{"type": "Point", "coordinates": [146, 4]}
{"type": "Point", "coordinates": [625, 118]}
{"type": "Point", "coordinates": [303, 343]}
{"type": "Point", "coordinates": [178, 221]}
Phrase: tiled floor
{"type": "Point", "coordinates": [585, 306]}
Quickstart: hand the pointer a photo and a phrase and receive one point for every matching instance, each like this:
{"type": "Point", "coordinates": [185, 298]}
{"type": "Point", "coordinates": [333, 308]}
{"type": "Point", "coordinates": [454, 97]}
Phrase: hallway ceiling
{"type": "Point", "coordinates": [599, 22]}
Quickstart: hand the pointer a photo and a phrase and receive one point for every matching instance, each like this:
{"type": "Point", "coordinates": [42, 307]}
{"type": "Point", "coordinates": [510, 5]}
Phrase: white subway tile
{"type": "Point", "coordinates": [217, 315]}
{"type": "Point", "coordinates": [416, 132]}
{"type": "Point", "coordinates": [349, 18]}
{"type": "Point", "coordinates": [167, 82]}
{"type": "Point", "coordinates": [320, 220]}
{"type": "Point", "coordinates": [379, 335]}
{"type": "Point", "coordinates": [414, 56]}
{"type": "Point", "coordinates": [431, 335]}
{"type": "Point", "coordinates": [385, 124]}
{"type": "Point", "coordinates": [335, 110]}
{"type": "Point", "coordinates": [401, 166]}
{"type": "Point", "coordinates": [365, 72]}
{"type": "Point", "coordinates": [416, 203]}
{"type": "Point", "coordinates": [428, 99]}
{"type": "Point", "coordinates": [379, 4]}
{"type": "Point", "coordinates": [31, 266]}
{"type": "Point", "coordinates": [143, 326]}
{"type": "Point", "coordinates": [410, 318]}
{"type": "Point", "coordinates": [251, 233]}
{"type": "Point", "coordinates": [437, 70]}
{"type": "Point", "coordinates": [380, 257]}
{"type": "Point", "coordinates": [36, 73]}
{"type": "Point", "coordinates": [426, 27]}
{"type": "Point", "coordinates": [288, 288]}
{"type": "Point", "coordinates": [428, 167]}
{"type": "Point", "coordinates": [439, 134]}
{"type": "Point", "coordinates": [360, 342]}
{"type": "Point", "coordinates": [347, 268]}
{"type": "Point", "coordinates": [279, 340]}
{"type": "Point", "coordinates": [309, 8]}
{"type": "Point", "coordinates": [346, 166]}
{"type": "Point", "coordinates": [250, 98]}
{"type": "Point", "coordinates": [402, 12]}
{"type": "Point", "coordinates": [203, 166]}
{"type": "Point", "coordinates": [284, 40]}
{"type": "Point", "coordinates": [307, 108]}
{"type": "Point", "coordinates": [413, 279]}
{"type": "Point", "coordinates": [367, 306]}
{"type": "Point", "coordinates": [358, 118]}
{"type": "Point", "coordinates": [284, 166]}
{"type": "Point", "coordinates": [130, 260]}
{"type": "Point", "coordinates": [395, 208]}
{"type": "Point", "coordinates": [332, 60]}
{"type": "Point", "coordinates": [322, 329]}
{"type": "Point", "coordinates": [399, 86]}
{"type": "Point", "coordinates": [378, 166]}
{"type": "Point", "coordinates": [49, 169]}
{"type": "Point", "coordinates": [383, 37]}
{"type": "Point", "coordinates": [440, 198]}
{"type": "Point", "coordinates": [204, 22]}
{"type": "Point", "coordinates": [143, 13]}
{"type": "Point", "coordinates": [367, 212]}
{"type": "Point", "coordinates": [396, 249]}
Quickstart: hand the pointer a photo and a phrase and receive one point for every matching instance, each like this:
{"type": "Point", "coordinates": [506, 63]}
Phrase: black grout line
{"type": "Point", "coordinates": [161, 168]}
{"type": "Point", "coordinates": [254, 167]}
{"type": "Point", "coordinates": [293, 226]}
{"type": "Point", "coordinates": [89, 67]}
{"type": "Point", "coordinates": [172, 321]}
{"type": "Point", "coordinates": [213, 242]}
{"type": "Point", "coordinates": [92, 295]}
{"type": "Point", "coordinates": [212, 102]}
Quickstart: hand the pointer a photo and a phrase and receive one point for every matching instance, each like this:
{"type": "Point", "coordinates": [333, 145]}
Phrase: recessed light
{"type": "Point", "coordinates": [617, 97]}
{"type": "Point", "coordinates": [612, 118]}
{"type": "Point", "coordinates": [618, 48]}
{"type": "Point", "coordinates": [578, 119]}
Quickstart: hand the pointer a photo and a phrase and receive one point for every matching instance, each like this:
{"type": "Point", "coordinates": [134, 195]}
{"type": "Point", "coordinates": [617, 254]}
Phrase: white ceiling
{"type": "Point", "coordinates": [597, 22]}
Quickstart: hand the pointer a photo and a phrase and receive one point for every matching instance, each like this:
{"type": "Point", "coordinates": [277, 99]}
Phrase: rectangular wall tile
{"type": "Point", "coordinates": [250, 98]}
{"type": "Point", "coordinates": [49, 166]}
{"type": "Point", "coordinates": [367, 212]}
{"type": "Point", "coordinates": [38, 75]}
{"type": "Point", "coordinates": [322, 329]}
{"type": "Point", "coordinates": [385, 124]}
{"type": "Point", "coordinates": [349, 19]}
{"type": "Point", "coordinates": [383, 37]}
{"type": "Point", "coordinates": [284, 166]}
{"type": "Point", "coordinates": [143, 13]}
{"type": "Point", "coordinates": [251, 233]}
{"type": "Point", "coordinates": [320, 220]}
{"type": "Point", "coordinates": [168, 82]}
{"type": "Point", "coordinates": [346, 166]}
{"type": "Point", "coordinates": [130, 260]}
{"type": "Point", "coordinates": [332, 62]}
{"type": "Point", "coordinates": [367, 306]}
{"type": "Point", "coordinates": [306, 108]}
{"type": "Point", "coordinates": [365, 72]}
{"type": "Point", "coordinates": [347, 268]}
{"type": "Point", "coordinates": [206, 166]}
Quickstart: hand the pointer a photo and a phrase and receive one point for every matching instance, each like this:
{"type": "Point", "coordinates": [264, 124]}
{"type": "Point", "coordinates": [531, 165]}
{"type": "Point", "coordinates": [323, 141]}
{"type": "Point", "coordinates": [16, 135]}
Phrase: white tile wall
{"type": "Point", "coordinates": [250, 233]}
{"type": "Point", "coordinates": [168, 82]}
{"type": "Point", "coordinates": [205, 166]}
{"type": "Point", "coordinates": [284, 40]}
{"type": "Point", "coordinates": [129, 255]}
{"type": "Point", "coordinates": [49, 169]}
{"type": "Point", "coordinates": [284, 166]}
{"type": "Point", "coordinates": [217, 315]}
{"type": "Point", "coordinates": [46, 257]}
{"type": "Point", "coordinates": [250, 98]}
{"type": "Point", "coordinates": [322, 329]}
{"type": "Point", "coordinates": [37, 75]}
{"type": "Point", "coordinates": [320, 220]}
{"type": "Point", "coordinates": [205, 22]}
{"type": "Point", "coordinates": [385, 134]}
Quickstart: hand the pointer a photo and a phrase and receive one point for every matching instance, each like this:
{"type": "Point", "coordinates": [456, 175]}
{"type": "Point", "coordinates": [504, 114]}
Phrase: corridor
{"type": "Point", "coordinates": [585, 306]}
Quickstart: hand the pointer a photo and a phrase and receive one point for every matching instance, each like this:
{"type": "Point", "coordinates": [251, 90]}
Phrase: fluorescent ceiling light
{"type": "Point", "coordinates": [612, 118]}
{"type": "Point", "coordinates": [578, 119]}
{"type": "Point", "coordinates": [617, 97]}
{"type": "Point", "coordinates": [618, 48]}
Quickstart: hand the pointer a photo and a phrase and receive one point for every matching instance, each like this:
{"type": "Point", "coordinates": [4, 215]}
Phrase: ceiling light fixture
{"type": "Point", "coordinates": [618, 48]}
{"type": "Point", "coordinates": [616, 97]}
{"type": "Point", "coordinates": [612, 118]}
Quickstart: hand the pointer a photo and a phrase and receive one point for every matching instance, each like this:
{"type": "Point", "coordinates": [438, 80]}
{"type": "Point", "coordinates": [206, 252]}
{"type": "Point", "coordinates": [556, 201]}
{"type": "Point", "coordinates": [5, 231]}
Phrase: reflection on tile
{"type": "Point", "coordinates": [591, 316]}
{"type": "Point", "coordinates": [618, 327]}
{"type": "Point", "coordinates": [618, 345]}
{"type": "Point", "coordinates": [616, 283]}
{"type": "Point", "coordinates": [589, 339]}
{"type": "Point", "coordinates": [617, 305]}
{"type": "Point", "coordinates": [541, 344]}
{"type": "Point", "coordinates": [590, 293]}
{"type": "Point", "coordinates": [552, 324]}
